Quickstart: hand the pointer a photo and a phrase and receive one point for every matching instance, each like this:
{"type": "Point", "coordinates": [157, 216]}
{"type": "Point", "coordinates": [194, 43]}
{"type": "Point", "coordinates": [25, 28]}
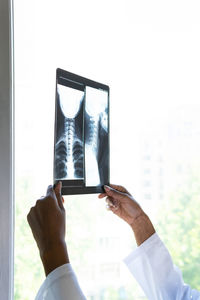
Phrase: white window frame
{"type": "Point", "coordinates": [6, 151]}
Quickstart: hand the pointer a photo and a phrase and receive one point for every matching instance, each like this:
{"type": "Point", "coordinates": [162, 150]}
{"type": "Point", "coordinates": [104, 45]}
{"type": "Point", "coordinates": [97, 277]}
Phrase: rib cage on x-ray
{"type": "Point", "coordinates": [81, 151]}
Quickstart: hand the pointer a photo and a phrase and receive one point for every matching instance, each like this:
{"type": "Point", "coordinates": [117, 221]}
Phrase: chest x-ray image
{"type": "Point", "coordinates": [81, 151]}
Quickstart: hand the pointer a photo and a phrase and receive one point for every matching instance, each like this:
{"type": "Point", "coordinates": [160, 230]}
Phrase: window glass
{"type": "Point", "coordinates": [152, 66]}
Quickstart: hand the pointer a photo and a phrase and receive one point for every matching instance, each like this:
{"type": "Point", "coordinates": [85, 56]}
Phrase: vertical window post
{"type": "Point", "coordinates": [6, 151]}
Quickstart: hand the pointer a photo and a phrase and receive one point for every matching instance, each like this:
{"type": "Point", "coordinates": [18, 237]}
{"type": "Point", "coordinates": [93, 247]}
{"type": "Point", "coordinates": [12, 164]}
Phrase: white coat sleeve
{"type": "Point", "coordinates": [61, 284]}
{"type": "Point", "coordinates": [153, 268]}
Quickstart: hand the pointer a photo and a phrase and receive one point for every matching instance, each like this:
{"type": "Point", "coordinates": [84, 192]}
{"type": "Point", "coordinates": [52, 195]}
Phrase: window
{"type": "Point", "coordinates": [152, 66]}
{"type": "Point", "coordinates": [6, 150]}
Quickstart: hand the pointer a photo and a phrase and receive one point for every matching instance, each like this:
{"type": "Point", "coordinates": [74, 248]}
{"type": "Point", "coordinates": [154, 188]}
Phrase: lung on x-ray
{"type": "Point", "coordinates": [81, 150]}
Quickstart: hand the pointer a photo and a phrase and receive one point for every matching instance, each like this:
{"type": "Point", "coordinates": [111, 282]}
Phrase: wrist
{"type": "Point", "coordinates": [54, 257]}
{"type": "Point", "coordinates": [142, 228]}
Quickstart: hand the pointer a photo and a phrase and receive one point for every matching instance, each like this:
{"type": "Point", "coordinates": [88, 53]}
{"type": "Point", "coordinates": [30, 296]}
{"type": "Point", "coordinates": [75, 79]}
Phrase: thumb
{"type": "Point", "coordinates": [49, 190]}
{"type": "Point", "coordinates": [114, 193]}
{"type": "Point", "coordinates": [58, 194]}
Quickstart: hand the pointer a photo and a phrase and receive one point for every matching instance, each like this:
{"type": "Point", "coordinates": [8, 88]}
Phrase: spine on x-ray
{"type": "Point", "coordinates": [69, 135]}
{"type": "Point", "coordinates": [93, 134]}
{"type": "Point", "coordinates": [74, 163]}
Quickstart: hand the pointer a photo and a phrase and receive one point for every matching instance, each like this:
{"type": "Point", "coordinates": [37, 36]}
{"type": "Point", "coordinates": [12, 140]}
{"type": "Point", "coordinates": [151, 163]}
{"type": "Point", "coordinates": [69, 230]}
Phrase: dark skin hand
{"type": "Point", "coordinates": [47, 222]}
{"type": "Point", "coordinates": [121, 203]}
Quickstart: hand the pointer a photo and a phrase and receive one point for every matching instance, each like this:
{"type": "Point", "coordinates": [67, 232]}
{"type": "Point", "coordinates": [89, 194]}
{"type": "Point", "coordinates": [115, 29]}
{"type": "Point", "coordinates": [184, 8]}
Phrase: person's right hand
{"type": "Point", "coordinates": [121, 203]}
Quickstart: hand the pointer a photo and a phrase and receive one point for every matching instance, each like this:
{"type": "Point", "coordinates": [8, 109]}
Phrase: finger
{"type": "Point", "coordinates": [108, 207]}
{"type": "Point", "coordinates": [39, 211]}
{"type": "Point", "coordinates": [31, 216]}
{"type": "Point", "coordinates": [50, 190]}
{"type": "Point", "coordinates": [120, 188]}
{"type": "Point", "coordinates": [100, 196]}
{"type": "Point", "coordinates": [38, 202]}
{"type": "Point", "coordinates": [112, 208]}
{"type": "Point", "coordinates": [114, 193]}
{"type": "Point", "coordinates": [59, 197]}
{"type": "Point", "coordinates": [111, 202]}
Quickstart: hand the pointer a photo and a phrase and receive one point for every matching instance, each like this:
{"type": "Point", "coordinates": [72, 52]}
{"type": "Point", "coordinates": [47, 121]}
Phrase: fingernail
{"type": "Point", "coordinates": [49, 188]}
{"type": "Point", "coordinates": [58, 187]}
{"type": "Point", "coordinates": [106, 187]}
{"type": "Point", "coordinates": [57, 184]}
{"type": "Point", "coordinates": [107, 207]}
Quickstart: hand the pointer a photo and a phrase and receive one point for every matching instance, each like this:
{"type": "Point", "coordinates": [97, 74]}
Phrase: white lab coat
{"type": "Point", "coordinates": [61, 284]}
{"type": "Point", "coordinates": [150, 264]}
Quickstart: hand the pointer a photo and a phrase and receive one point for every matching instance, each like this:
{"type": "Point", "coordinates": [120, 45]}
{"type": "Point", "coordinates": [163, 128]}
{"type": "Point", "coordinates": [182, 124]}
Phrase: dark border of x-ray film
{"type": "Point", "coordinates": [72, 187]}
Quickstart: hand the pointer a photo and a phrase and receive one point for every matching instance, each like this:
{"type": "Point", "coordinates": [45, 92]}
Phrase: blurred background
{"type": "Point", "coordinates": [148, 53]}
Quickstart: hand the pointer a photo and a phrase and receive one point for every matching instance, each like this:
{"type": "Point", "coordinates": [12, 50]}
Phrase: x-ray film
{"type": "Point", "coordinates": [81, 150]}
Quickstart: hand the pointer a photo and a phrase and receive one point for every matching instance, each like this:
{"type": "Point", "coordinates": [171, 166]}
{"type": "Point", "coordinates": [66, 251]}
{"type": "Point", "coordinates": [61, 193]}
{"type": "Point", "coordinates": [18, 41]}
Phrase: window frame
{"type": "Point", "coordinates": [6, 151]}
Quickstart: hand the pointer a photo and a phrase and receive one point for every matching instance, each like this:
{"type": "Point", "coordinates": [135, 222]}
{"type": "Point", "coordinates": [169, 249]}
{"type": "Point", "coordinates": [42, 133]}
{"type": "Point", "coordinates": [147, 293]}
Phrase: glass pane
{"type": "Point", "coordinates": [152, 68]}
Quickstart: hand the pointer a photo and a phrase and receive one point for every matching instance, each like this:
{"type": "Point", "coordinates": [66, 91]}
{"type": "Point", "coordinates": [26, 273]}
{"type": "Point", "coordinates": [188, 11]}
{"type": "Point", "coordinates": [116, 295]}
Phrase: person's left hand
{"type": "Point", "coordinates": [47, 222]}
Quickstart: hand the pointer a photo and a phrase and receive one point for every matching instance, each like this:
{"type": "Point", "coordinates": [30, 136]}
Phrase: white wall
{"type": "Point", "coordinates": [6, 160]}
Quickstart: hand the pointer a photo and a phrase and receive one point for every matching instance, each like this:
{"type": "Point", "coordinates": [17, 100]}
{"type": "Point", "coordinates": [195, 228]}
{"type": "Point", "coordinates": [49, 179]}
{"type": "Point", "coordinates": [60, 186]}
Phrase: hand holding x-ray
{"type": "Point", "coordinates": [122, 204]}
{"type": "Point", "coordinates": [50, 235]}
